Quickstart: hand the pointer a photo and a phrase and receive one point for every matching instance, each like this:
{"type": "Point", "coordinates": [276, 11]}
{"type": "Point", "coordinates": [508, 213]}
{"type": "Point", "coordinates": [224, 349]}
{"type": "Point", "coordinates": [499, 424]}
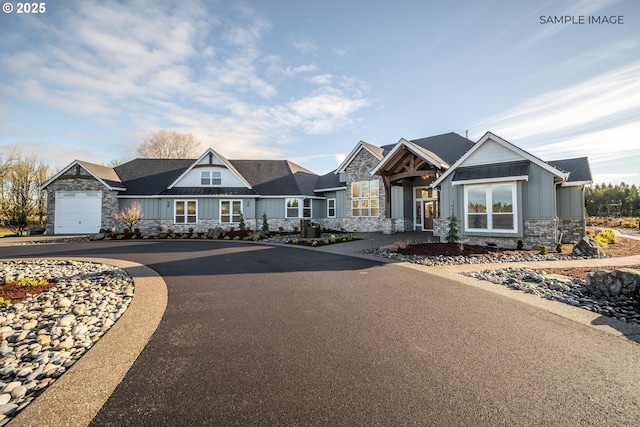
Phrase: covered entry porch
{"type": "Point", "coordinates": [407, 172]}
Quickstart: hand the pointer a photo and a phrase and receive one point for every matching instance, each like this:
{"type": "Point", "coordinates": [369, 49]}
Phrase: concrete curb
{"type": "Point", "coordinates": [77, 396]}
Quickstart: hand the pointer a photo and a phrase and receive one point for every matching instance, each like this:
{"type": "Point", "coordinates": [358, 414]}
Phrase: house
{"type": "Point", "coordinates": [410, 185]}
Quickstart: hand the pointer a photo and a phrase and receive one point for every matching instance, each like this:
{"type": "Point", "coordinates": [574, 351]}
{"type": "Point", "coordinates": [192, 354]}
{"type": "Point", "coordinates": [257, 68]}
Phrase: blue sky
{"type": "Point", "coordinates": [307, 80]}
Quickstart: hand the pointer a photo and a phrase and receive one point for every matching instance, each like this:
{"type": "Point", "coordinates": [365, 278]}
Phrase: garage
{"type": "Point", "coordinates": [78, 212]}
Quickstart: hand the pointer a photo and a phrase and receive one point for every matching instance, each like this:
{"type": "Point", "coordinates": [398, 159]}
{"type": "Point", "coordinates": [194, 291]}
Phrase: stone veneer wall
{"type": "Point", "coordinates": [109, 200]}
{"type": "Point", "coordinates": [572, 230]}
{"type": "Point", "coordinates": [537, 232]}
{"type": "Point", "coordinates": [360, 170]}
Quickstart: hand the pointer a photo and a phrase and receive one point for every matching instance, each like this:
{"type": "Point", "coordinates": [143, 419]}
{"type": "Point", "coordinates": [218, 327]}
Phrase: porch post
{"type": "Point", "coordinates": [386, 182]}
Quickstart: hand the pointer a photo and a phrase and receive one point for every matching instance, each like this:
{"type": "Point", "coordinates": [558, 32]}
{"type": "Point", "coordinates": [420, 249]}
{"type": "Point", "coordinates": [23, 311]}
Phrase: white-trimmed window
{"type": "Point", "coordinates": [230, 211]}
{"type": "Point", "coordinates": [491, 207]}
{"type": "Point", "coordinates": [185, 212]}
{"type": "Point", "coordinates": [365, 198]}
{"type": "Point", "coordinates": [209, 178]}
{"type": "Point", "coordinates": [331, 208]}
{"type": "Point", "coordinates": [298, 208]}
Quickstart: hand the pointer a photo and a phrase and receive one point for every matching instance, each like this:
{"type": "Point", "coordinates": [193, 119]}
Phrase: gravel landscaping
{"type": "Point", "coordinates": [46, 333]}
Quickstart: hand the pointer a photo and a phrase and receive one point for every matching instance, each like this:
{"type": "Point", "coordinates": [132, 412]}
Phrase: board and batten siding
{"type": "Point", "coordinates": [397, 202]}
{"type": "Point", "coordinates": [208, 208]}
{"type": "Point", "coordinates": [538, 194]}
{"type": "Point", "coordinates": [570, 202]}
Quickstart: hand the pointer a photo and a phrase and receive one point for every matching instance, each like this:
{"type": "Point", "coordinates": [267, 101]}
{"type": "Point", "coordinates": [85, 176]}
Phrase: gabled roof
{"type": "Point", "coordinates": [376, 151]}
{"type": "Point", "coordinates": [447, 146]}
{"type": "Point", "coordinates": [509, 146]}
{"type": "Point", "coordinates": [220, 157]}
{"type": "Point", "coordinates": [492, 172]}
{"type": "Point", "coordinates": [578, 168]}
{"type": "Point", "coordinates": [104, 174]}
{"type": "Point", "coordinates": [329, 182]}
{"type": "Point", "coordinates": [393, 156]}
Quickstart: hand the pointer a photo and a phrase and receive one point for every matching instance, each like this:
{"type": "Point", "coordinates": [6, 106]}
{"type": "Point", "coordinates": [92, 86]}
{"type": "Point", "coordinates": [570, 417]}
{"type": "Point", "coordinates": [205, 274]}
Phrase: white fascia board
{"type": "Point", "coordinates": [491, 136]}
{"type": "Point", "coordinates": [179, 196]}
{"type": "Point", "coordinates": [491, 180]}
{"type": "Point", "coordinates": [221, 158]}
{"type": "Point", "coordinates": [78, 163]}
{"type": "Point", "coordinates": [298, 196]}
{"type": "Point", "coordinates": [576, 183]}
{"type": "Point", "coordinates": [322, 190]}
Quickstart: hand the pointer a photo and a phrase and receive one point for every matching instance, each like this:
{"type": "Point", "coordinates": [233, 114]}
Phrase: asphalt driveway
{"type": "Point", "coordinates": [262, 335]}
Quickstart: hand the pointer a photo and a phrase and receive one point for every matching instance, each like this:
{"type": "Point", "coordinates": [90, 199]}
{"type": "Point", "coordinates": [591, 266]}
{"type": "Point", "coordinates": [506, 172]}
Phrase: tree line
{"type": "Point", "coordinates": [612, 200]}
{"type": "Point", "coordinates": [21, 200]}
{"type": "Point", "coordinates": [23, 204]}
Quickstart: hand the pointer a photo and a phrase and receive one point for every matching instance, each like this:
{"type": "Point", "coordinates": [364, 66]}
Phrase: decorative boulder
{"type": "Point", "coordinates": [623, 283]}
{"type": "Point", "coordinates": [587, 247]}
{"type": "Point", "coordinates": [215, 233]}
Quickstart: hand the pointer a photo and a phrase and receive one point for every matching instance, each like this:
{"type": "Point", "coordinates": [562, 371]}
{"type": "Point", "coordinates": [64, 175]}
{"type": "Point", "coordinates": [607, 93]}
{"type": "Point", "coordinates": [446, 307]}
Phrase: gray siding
{"type": "Point", "coordinates": [570, 202]}
{"type": "Point", "coordinates": [208, 208]}
{"type": "Point", "coordinates": [397, 202]}
{"type": "Point", "coordinates": [538, 194]}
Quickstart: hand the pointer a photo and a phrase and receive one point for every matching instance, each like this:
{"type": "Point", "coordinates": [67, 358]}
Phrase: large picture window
{"type": "Point", "coordinates": [365, 198]}
{"type": "Point", "coordinates": [230, 210]}
{"type": "Point", "coordinates": [491, 207]}
{"type": "Point", "coordinates": [186, 212]}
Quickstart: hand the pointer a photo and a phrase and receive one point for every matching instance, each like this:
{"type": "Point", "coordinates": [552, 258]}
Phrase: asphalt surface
{"type": "Point", "coordinates": [263, 335]}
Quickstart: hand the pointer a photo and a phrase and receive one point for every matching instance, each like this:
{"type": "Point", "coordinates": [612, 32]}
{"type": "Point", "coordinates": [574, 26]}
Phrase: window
{"type": "Point", "coordinates": [294, 206]}
{"type": "Point", "coordinates": [186, 212]}
{"type": "Point", "coordinates": [331, 208]}
{"type": "Point", "coordinates": [210, 178]}
{"type": "Point", "coordinates": [491, 207]}
{"type": "Point", "coordinates": [365, 198]}
{"type": "Point", "coordinates": [230, 210]}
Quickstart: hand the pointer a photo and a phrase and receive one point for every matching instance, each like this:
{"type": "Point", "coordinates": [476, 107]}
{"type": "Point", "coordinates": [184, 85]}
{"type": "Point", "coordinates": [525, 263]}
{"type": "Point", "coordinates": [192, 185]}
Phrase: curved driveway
{"type": "Point", "coordinates": [264, 335]}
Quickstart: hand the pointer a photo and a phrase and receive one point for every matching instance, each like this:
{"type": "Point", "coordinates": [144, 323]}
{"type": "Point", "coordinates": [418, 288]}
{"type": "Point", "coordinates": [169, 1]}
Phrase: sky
{"type": "Point", "coordinates": [307, 80]}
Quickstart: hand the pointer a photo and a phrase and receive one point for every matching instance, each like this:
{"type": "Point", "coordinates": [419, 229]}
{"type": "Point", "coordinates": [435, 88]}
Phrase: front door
{"type": "Point", "coordinates": [425, 208]}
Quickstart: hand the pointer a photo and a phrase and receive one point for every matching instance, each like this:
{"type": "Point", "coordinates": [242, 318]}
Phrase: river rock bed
{"type": "Point", "coordinates": [568, 290]}
{"type": "Point", "coordinates": [44, 335]}
{"type": "Point", "coordinates": [435, 260]}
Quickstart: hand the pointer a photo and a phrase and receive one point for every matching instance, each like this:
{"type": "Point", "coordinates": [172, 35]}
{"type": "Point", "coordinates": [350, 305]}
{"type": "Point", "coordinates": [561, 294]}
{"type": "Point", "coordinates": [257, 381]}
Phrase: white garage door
{"type": "Point", "coordinates": [78, 212]}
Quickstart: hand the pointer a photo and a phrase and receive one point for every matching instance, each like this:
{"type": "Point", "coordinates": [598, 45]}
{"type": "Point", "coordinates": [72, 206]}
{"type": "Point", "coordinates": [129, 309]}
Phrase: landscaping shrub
{"type": "Point", "coordinates": [543, 250]}
{"type": "Point", "coordinates": [608, 235]}
{"type": "Point", "coordinates": [520, 245]}
{"type": "Point", "coordinates": [559, 247]}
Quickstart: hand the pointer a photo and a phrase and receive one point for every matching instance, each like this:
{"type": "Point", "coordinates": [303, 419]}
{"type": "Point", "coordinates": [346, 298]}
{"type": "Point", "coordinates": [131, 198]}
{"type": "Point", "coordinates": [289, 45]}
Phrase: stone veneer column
{"type": "Point", "coordinates": [360, 170]}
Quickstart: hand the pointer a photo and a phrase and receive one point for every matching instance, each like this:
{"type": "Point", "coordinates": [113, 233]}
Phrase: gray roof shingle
{"type": "Point", "coordinates": [448, 146]}
{"type": "Point", "coordinates": [496, 170]}
{"type": "Point", "coordinates": [578, 168]}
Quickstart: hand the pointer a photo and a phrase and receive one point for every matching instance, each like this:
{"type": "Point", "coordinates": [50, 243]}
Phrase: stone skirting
{"type": "Point", "coordinates": [572, 230]}
{"type": "Point", "coordinates": [536, 233]}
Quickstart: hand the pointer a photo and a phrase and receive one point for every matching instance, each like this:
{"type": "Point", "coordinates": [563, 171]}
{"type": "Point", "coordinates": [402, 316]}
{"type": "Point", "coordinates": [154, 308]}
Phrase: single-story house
{"type": "Point", "coordinates": [498, 192]}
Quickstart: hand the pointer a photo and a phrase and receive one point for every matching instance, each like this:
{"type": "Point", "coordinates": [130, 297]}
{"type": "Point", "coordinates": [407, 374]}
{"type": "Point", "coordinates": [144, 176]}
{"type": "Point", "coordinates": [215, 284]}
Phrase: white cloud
{"type": "Point", "coordinates": [304, 45]}
{"type": "Point", "coordinates": [601, 98]}
{"type": "Point", "coordinates": [138, 66]}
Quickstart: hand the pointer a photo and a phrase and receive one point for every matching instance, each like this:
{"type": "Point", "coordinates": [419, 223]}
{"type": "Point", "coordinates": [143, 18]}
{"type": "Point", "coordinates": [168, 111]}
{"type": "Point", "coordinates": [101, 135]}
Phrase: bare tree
{"type": "Point", "coordinates": [169, 144]}
{"type": "Point", "coordinates": [129, 215]}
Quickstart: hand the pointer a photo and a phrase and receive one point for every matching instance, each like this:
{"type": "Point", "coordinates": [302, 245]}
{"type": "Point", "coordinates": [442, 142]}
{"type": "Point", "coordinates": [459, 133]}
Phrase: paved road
{"type": "Point", "coordinates": [259, 335]}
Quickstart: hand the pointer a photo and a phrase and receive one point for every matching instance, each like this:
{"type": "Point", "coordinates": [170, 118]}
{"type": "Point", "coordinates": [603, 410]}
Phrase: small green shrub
{"type": "Point", "coordinates": [295, 241]}
{"type": "Point", "coordinates": [246, 238]}
{"type": "Point", "coordinates": [265, 224]}
{"type": "Point", "coordinates": [120, 237]}
{"type": "Point", "coordinates": [236, 238]}
{"type": "Point", "coordinates": [241, 225]}
{"type": "Point", "coordinates": [107, 238]}
{"type": "Point", "coordinates": [325, 241]}
{"type": "Point", "coordinates": [256, 238]}
{"type": "Point", "coordinates": [314, 243]}
{"type": "Point", "coordinates": [194, 236]}
{"type": "Point", "coordinates": [559, 247]}
{"type": "Point", "coordinates": [543, 250]}
{"type": "Point", "coordinates": [4, 301]}
{"type": "Point", "coordinates": [227, 238]}
{"type": "Point", "coordinates": [520, 245]}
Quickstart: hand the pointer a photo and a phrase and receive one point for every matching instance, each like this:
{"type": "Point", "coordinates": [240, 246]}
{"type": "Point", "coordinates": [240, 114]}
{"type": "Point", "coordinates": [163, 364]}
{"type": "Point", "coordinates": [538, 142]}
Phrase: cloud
{"type": "Point", "coordinates": [608, 100]}
{"type": "Point", "coordinates": [133, 67]}
{"type": "Point", "coordinates": [304, 45]}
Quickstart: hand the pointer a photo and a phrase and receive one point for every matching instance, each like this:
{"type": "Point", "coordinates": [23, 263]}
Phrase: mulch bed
{"type": "Point", "coordinates": [15, 293]}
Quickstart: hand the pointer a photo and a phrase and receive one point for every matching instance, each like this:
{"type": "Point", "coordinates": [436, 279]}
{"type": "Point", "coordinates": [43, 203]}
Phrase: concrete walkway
{"type": "Point", "coordinates": [71, 402]}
